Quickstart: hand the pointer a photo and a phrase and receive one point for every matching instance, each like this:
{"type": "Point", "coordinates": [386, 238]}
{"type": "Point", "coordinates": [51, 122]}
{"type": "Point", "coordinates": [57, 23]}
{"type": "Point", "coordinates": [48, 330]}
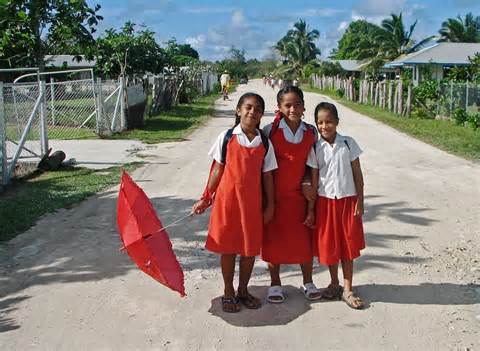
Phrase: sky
{"type": "Point", "coordinates": [212, 27]}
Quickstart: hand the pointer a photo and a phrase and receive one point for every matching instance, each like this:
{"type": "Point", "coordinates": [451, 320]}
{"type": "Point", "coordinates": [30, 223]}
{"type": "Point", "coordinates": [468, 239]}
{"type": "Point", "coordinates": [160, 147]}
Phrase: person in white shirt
{"type": "Point", "coordinates": [225, 83]}
{"type": "Point", "coordinates": [288, 237]}
{"type": "Point", "coordinates": [339, 181]}
{"type": "Point", "coordinates": [243, 164]}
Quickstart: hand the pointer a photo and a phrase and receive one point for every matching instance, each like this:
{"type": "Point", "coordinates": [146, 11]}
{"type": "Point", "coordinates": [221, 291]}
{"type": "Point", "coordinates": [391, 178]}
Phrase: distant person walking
{"type": "Point", "coordinates": [225, 83]}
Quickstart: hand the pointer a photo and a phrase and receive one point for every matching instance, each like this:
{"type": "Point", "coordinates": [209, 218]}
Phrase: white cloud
{"type": "Point", "coordinates": [376, 8]}
{"type": "Point", "coordinates": [342, 26]}
{"type": "Point", "coordinates": [238, 19]}
{"type": "Point", "coordinates": [319, 12]}
{"type": "Point", "coordinates": [197, 42]}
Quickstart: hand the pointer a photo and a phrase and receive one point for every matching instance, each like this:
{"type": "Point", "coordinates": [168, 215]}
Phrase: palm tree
{"type": "Point", "coordinates": [461, 30]}
{"type": "Point", "coordinates": [298, 47]}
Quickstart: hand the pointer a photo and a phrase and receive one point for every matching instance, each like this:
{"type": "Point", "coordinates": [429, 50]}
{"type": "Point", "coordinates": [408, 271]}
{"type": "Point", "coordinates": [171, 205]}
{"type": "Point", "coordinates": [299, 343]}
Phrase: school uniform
{"type": "Point", "coordinates": [287, 240]}
{"type": "Point", "coordinates": [236, 220]}
{"type": "Point", "coordinates": [339, 234]}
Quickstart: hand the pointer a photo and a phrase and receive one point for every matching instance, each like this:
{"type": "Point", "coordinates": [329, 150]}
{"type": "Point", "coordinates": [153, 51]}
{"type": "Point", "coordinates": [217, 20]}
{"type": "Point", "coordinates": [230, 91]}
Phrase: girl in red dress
{"type": "Point", "coordinates": [237, 217]}
{"type": "Point", "coordinates": [339, 235]}
{"type": "Point", "coordinates": [288, 237]}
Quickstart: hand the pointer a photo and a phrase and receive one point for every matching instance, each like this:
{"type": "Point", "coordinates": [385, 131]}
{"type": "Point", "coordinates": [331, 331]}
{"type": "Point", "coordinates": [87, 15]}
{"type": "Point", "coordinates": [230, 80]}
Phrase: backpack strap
{"type": "Point", "coordinates": [348, 146]}
{"type": "Point", "coordinates": [228, 136]}
{"type": "Point", "coordinates": [275, 124]}
{"type": "Point", "coordinates": [226, 140]}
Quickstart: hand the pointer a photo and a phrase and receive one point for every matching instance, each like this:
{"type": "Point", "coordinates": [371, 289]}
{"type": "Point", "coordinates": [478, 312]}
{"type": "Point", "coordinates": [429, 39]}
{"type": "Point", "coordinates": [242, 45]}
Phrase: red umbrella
{"type": "Point", "coordinates": [145, 238]}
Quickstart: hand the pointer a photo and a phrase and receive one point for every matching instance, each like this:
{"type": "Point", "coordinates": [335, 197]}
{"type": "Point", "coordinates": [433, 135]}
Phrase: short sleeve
{"type": "Point", "coordinates": [355, 150]}
{"type": "Point", "coordinates": [312, 158]}
{"type": "Point", "coordinates": [269, 162]}
{"type": "Point", "coordinates": [216, 149]}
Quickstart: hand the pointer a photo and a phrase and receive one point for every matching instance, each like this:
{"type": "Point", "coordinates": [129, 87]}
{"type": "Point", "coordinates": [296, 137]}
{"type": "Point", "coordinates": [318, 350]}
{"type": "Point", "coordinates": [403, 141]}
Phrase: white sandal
{"type": "Point", "coordinates": [309, 289]}
{"type": "Point", "coordinates": [275, 294]}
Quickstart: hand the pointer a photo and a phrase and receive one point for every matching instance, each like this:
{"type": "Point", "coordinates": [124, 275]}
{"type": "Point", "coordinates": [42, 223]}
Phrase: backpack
{"type": "Point", "coordinates": [228, 136]}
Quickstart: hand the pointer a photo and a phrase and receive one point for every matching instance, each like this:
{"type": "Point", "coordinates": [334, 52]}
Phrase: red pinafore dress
{"type": "Point", "coordinates": [236, 221]}
{"type": "Point", "coordinates": [287, 240]}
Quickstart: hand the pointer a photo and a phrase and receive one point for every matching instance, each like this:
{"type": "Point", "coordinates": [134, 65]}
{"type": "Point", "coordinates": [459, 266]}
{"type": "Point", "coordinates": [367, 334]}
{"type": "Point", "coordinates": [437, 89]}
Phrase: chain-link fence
{"type": "Point", "coordinates": [458, 95]}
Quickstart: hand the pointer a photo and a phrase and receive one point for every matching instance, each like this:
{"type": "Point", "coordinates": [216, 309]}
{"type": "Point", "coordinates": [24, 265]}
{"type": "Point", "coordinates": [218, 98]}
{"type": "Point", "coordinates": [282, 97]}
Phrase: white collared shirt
{"type": "Point", "coordinates": [295, 138]}
{"type": "Point", "coordinates": [335, 166]}
{"type": "Point", "coordinates": [269, 162]}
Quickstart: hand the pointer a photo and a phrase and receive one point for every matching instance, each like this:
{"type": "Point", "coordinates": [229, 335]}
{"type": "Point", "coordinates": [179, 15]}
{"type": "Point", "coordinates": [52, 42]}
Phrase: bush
{"type": "Point", "coordinates": [420, 112]}
{"type": "Point", "coordinates": [340, 92]}
{"type": "Point", "coordinates": [459, 116]}
{"type": "Point", "coordinates": [473, 120]}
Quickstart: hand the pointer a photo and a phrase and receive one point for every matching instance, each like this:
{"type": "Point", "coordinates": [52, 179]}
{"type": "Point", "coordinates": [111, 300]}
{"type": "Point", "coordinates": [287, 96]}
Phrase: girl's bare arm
{"type": "Point", "coordinates": [213, 180]}
{"type": "Point", "coordinates": [358, 180]}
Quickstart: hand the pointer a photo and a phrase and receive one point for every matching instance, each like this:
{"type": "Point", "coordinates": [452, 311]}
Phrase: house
{"type": "Point", "coordinates": [439, 58]}
{"type": "Point", "coordinates": [68, 62]}
{"type": "Point", "coordinates": [353, 67]}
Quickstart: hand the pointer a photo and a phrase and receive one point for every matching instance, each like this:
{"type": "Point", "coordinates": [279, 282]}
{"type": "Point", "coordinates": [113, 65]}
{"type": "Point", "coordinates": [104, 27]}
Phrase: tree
{"type": "Point", "coordinates": [30, 29]}
{"type": "Point", "coordinates": [298, 48]}
{"type": "Point", "coordinates": [461, 30]}
{"type": "Point", "coordinates": [358, 42]}
{"type": "Point", "coordinates": [128, 52]}
{"type": "Point", "coordinates": [174, 49]}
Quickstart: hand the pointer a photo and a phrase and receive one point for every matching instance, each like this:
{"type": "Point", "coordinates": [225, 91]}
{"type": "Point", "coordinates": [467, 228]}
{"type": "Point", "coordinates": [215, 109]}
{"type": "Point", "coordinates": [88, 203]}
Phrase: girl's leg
{"type": "Point", "coordinates": [227, 263]}
{"type": "Point", "coordinates": [334, 290]}
{"type": "Point", "coordinates": [307, 269]}
{"type": "Point", "coordinates": [274, 274]}
{"type": "Point", "coordinates": [348, 296]}
{"type": "Point", "coordinates": [347, 268]}
{"type": "Point", "coordinates": [246, 267]}
{"type": "Point", "coordinates": [310, 290]}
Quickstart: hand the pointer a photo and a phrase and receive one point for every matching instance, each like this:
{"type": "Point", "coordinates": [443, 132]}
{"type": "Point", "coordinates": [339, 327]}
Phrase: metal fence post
{"type": "Point", "coordinates": [43, 118]}
{"type": "Point", "coordinates": [52, 99]}
{"type": "Point", "coordinates": [99, 102]}
{"type": "Point", "coordinates": [123, 122]}
{"type": "Point", "coordinates": [3, 146]}
{"type": "Point", "coordinates": [466, 95]}
{"type": "Point", "coordinates": [451, 98]}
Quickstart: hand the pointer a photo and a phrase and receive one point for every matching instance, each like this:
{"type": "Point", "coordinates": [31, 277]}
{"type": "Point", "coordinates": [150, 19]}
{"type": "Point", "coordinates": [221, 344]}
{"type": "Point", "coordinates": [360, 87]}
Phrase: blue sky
{"type": "Point", "coordinates": [212, 27]}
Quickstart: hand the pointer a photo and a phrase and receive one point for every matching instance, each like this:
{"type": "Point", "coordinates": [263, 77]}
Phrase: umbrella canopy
{"type": "Point", "coordinates": [144, 238]}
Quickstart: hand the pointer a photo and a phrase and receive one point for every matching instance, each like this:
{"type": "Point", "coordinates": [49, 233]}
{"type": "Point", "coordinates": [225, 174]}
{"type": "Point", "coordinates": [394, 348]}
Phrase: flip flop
{"type": "Point", "coordinates": [230, 304]}
{"type": "Point", "coordinates": [250, 301]}
{"type": "Point", "coordinates": [275, 294]}
{"type": "Point", "coordinates": [311, 292]}
{"type": "Point", "coordinates": [352, 300]}
{"type": "Point", "coordinates": [332, 292]}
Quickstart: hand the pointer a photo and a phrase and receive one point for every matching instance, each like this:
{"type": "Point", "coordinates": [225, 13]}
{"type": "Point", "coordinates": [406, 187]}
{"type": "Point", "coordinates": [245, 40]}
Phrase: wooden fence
{"type": "Point", "coordinates": [391, 95]}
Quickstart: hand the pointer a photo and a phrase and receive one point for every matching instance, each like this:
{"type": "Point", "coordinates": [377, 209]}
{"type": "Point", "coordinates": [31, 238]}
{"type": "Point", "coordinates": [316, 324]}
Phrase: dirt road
{"type": "Point", "coordinates": [64, 285]}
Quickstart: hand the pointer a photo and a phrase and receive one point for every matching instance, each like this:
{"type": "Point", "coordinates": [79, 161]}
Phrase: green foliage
{"type": "Point", "coordinates": [461, 30]}
{"type": "Point", "coordinates": [358, 42]}
{"type": "Point", "coordinates": [128, 51]}
{"type": "Point", "coordinates": [235, 64]}
{"type": "Point", "coordinates": [473, 120]}
{"type": "Point", "coordinates": [427, 90]}
{"type": "Point", "coordinates": [31, 29]}
{"type": "Point", "coordinates": [340, 92]}
{"type": "Point", "coordinates": [297, 48]}
{"type": "Point", "coordinates": [459, 116]}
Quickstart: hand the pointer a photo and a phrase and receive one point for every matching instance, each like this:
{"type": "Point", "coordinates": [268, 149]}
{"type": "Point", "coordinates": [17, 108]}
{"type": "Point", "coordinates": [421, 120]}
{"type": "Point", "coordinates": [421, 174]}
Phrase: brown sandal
{"type": "Point", "coordinates": [250, 301]}
{"type": "Point", "coordinates": [230, 304]}
{"type": "Point", "coordinates": [332, 292]}
{"type": "Point", "coordinates": [352, 300]}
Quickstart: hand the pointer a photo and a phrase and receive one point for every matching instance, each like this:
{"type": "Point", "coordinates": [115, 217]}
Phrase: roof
{"type": "Point", "coordinates": [68, 60]}
{"type": "Point", "coordinates": [349, 65]}
{"type": "Point", "coordinates": [441, 53]}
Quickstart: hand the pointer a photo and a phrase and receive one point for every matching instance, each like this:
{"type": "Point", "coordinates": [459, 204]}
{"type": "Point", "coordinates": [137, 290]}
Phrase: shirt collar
{"type": "Point", "coordinates": [284, 124]}
{"type": "Point", "coordinates": [238, 130]}
{"type": "Point", "coordinates": [338, 139]}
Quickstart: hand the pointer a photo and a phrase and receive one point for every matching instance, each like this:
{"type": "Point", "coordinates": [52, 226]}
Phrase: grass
{"type": "Point", "coordinates": [445, 135]}
{"type": "Point", "coordinates": [174, 124]}
{"type": "Point", "coordinates": [26, 200]}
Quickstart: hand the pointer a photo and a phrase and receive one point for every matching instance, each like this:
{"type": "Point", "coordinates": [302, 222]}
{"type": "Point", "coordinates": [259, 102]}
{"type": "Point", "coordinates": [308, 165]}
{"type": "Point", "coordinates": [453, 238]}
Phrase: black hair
{"type": "Point", "coordinates": [327, 107]}
{"type": "Point", "coordinates": [289, 89]}
{"type": "Point", "coordinates": [240, 103]}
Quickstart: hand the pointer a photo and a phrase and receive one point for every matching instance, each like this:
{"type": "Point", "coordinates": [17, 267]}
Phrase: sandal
{"type": "Point", "coordinates": [311, 292]}
{"type": "Point", "coordinates": [352, 300]}
{"type": "Point", "coordinates": [250, 301]}
{"type": "Point", "coordinates": [230, 304]}
{"type": "Point", "coordinates": [332, 292]}
{"type": "Point", "coordinates": [275, 294]}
